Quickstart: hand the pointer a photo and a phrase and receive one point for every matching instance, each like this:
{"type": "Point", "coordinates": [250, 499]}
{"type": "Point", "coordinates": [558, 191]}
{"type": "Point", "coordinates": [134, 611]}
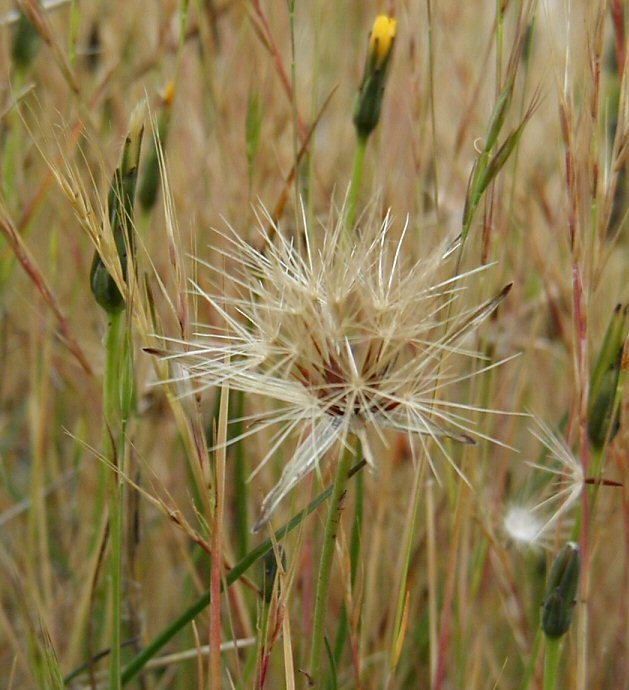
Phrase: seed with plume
{"type": "Point", "coordinates": [539, 522]}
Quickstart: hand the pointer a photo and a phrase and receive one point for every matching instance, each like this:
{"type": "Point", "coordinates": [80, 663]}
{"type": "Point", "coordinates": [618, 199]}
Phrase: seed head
{"type": "Point", "coordinates": [345, 335]}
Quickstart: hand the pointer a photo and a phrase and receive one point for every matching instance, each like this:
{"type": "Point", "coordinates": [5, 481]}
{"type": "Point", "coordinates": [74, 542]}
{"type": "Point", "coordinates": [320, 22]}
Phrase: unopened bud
{"type": "Point", "coordinates": [371, 92]}
{"type": "Point", "coordinates": [604, 401]}
{"type": "Point", "coordinates": [120, 209]}
{"type": "Point", "coordinates": [561, 591]}
{"type": "Point", "coordinates": [25, 43]}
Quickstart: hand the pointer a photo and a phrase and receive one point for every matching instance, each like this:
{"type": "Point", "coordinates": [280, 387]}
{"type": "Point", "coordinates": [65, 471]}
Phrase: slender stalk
{"type": "Point", "coordinates": [316, 62]}
{"type": "Point", "coordinates": [433, 116]}
{"type": "Point", "coordinates": [75, 19]}
{"type": "Point", "coordinates": [431, 552]}
{"type": "Point", "coordinates": [358, 524]}
{"type": "Point", "coordinates": [294, 111]}
{"type": "Point", "coordinates": [532, 663]}
{"type": "Point", "coordinates": [325, 566]}
{"type": "Point", "coordinates": [115, 526]}
{"type": "Point", "coordinates": [240, 479]}
{"type": "Point", "coordinates": [357, 176]}
{"type": "Point", "coordinates": [499, 45]}
{"type": "Point", "coordinates": [111, 409]}
{"type": "Point", "coordinates": [214, 662]}
{"type": "Point", "coordinates": [406, 543]}
{"type": "Point", "coordinates": [354, 553]}
{"type": "Point", "coordinates": [183, 24]}
{"type": "Point", "coordinates": [551, 662]}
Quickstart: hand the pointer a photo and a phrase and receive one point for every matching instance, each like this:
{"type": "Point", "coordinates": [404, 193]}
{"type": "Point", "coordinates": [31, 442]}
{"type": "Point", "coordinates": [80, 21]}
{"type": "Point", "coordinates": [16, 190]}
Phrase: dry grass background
{"type": "Point", "coordinates": [472, 613]}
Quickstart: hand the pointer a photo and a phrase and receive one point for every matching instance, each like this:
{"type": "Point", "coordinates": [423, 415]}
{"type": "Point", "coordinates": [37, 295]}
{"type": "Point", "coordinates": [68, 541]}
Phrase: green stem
{"type": "Point", "coordinates": [358, 523]}
{"type": "Point", "coordinates": [354, 553]}
{"type": "Point", "coordinates": [240, 480]}
{"type": "Point", "coordinates": [551, 662]}
{"type": "Point", "coordinates": [316, 62]}
{"type": "Point", "coordinates": [407, 543]}
{"type": "Point", "coordinates": [357, 176]}
{"type": "Point", "coordinates": [433, 116]}
{"type": "Point", "coordinates": [294, 111]}
{"type": "Point", "coordinates": [325, 566]}
{"type": "Point", "coordinates": [74, 30]}
{"type": "Point", "coordinates": [111, 442]}
{"type": "Point", "coordinates": [530, 668]}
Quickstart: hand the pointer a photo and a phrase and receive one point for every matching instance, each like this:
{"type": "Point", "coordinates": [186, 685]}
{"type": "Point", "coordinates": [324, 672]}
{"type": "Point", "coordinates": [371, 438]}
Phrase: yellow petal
{"type": "Point", "coordinates": [381, 39]}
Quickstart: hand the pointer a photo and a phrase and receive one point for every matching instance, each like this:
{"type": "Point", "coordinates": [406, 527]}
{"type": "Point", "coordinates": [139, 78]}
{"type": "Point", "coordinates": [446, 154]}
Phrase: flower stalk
{"type": "Point", "coordinates": [325, 566]}
{"type": "Point", "coordinates": [552, 655]}
{"type": "Point", "coordinates": [114, 347]}
{"type": "Point", "coordinates": [356, 181]}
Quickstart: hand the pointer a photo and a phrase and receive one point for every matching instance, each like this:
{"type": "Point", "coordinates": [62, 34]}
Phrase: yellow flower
{"type": "Point", "coordinates": [381, 39]}
{"type": "Point", "coordinates": [369, 100]}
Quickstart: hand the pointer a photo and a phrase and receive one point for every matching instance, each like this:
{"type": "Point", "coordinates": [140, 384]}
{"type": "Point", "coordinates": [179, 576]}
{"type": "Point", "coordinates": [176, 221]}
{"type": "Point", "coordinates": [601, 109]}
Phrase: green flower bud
{"type": "Point", "coordinates": [561, 591]}
{"type": "Point", "coordinates": [104, 287]}
{"type": "Point", "coordinates": [604, 401]}
{"type": "Point", "coordinates": [25, 42]}
{"type": "Point", "coordinates": [120, 209]}
{"type": "Point", "coordinates": [369, 101]}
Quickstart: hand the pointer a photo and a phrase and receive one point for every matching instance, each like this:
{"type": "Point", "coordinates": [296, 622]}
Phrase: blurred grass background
{"type": "Point", "coordinates": [554, 221]}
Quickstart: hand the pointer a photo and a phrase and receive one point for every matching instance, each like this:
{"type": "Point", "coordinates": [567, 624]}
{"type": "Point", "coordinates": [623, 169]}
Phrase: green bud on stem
{"type": "Point", "coordinates": [369, 101]}
{"type": "Point", "coordinates": [120, 209]}
{"type": "Point", "coordinates": [561, 591]}
{"type": "Point", "coordinates": [606, 382]}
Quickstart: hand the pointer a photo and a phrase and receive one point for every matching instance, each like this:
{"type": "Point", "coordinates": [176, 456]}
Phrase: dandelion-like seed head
{"type": "Point", "coordinates": [346, 334]}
